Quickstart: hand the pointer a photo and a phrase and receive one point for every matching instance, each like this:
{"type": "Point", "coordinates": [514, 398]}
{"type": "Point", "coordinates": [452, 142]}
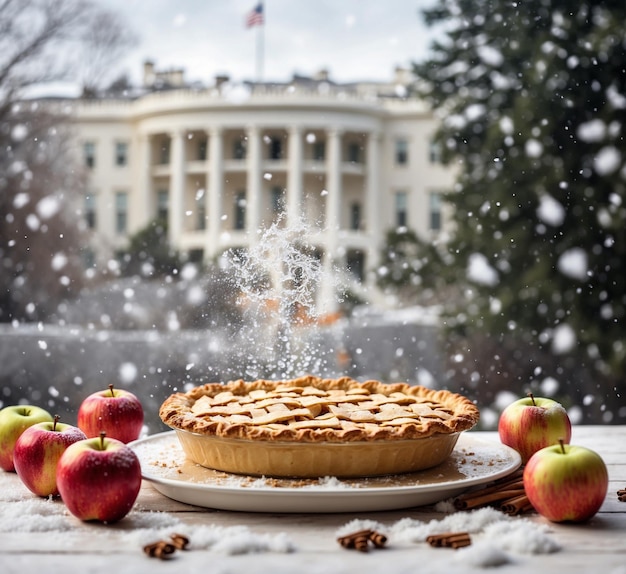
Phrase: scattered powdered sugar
{"type": "Point", "coordinates": [497, 537]}
{"type": "Point", "coordinates": [331, 482]}
{"type": "Point", "coordinates": [228, 540]}
{"type": "Point", "coordinates": [148, 521]}
{"type": "Point", "coordinates": [51, 516]}
{"type": "Point", "coordinates": [482, 555]}
{"type": "Point", "coordinates": [239, 540]}
{"type": "Point", "coordinates": [445, 506]}
{"type": "Point", "coordinates": [521, 537]}
{"type": "Point", "coordinates": [34, 515]}
{"type": "Point", "coordinates": [411, 530]}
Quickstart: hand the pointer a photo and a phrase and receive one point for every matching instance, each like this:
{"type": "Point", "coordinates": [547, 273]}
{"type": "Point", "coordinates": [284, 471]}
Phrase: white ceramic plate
{"type": "Point", "coordinates": [474, 461]}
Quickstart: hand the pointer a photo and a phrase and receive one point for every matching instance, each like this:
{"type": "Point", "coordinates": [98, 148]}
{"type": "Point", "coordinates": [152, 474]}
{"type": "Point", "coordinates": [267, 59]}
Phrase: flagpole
{"type": "Point", "coordinates": [256, 18]}
{"type": "Point", "coordinates": [260, 45]}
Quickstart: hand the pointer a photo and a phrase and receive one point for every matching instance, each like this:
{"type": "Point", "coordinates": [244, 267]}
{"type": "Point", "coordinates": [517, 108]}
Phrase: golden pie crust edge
{"type": "Point", "coordinates": [176, 413]}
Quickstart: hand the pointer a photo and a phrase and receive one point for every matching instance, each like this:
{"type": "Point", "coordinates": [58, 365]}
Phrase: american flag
{"type": "Point", "coordinates": [255, 16]}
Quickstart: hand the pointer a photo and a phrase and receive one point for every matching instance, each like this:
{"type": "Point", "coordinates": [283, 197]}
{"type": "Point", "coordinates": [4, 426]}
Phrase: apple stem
{"type": "Point", "coordinates": [111, 389]}
{"type": "Point", "coordinates": [562, 445]}
{"type": "Point", "coordinates": [56, 420]}
{"type": "Point", "coordinates": [102, 435]}
{"type": "Point", "coordinates": [532, 398]}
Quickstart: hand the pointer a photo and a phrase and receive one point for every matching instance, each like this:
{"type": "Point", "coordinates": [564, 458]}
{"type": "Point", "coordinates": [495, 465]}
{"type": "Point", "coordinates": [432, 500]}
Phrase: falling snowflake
{"type": "Point", "coordinates": [480, 271]}
{"type": "Point", "coordinates": [573, 263]}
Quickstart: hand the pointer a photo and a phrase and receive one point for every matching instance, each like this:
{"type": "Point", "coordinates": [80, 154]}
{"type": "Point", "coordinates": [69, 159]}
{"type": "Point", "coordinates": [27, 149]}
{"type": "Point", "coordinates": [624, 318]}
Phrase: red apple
{"type": "Point", "coordinates": [14, 420]}
{"type": "Point", "coordinates": [116, 412]}
{"type": "Point", "coordinates": [532, 423]}
{"type": "Point", "coordinates": [566, 482]}
{"type": "Point", "coordinates": [99, 479]}
{"type": "Point", "coordinates": [37, 452]}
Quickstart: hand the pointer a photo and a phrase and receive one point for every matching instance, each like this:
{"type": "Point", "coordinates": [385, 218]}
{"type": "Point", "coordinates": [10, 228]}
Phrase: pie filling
{"type": "Point", "coordinates": [317, 427]}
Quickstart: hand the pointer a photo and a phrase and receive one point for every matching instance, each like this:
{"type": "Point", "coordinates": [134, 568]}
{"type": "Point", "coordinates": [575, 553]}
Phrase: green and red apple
{"type": "Point", "coordinates": [116, 412]}
{"type": "Point", "coordinates": [532, 423]}
{"type": "Point", "coordinates": [14, 420]}
{"type": "Point", "coordinates": [37, 452]}
{"type": "Point", "coordinates": [99, 479]}
{"type": "Point", "coordinates": [566, 483]}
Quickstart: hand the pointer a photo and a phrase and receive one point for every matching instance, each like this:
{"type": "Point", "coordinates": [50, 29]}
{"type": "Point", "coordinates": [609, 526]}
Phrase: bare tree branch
{"type": "Point", "coordinates": [102, 44]}
{"type": "Point", "coordinates": [41, 185]}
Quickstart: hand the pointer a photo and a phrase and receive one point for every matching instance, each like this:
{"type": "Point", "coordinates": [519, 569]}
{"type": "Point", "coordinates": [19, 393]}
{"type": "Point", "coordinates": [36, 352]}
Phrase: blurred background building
{"type": "Point", "coordinates": [218, 163]}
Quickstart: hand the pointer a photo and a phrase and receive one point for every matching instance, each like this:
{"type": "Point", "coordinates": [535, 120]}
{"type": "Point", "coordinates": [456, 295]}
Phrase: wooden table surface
{"type": "Point", "coordinates": [38, 535]}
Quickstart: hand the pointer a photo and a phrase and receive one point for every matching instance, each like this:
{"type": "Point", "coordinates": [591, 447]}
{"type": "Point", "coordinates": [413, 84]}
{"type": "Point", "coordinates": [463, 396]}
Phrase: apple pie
{"type": "Point", "coordinates": [314, 427]}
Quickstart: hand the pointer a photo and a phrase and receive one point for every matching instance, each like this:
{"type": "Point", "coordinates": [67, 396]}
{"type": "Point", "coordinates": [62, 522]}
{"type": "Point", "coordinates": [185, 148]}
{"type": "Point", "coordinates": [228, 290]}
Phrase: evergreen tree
{"type": "Point", "coordinates": [404, 258]}
{"type": "Point", "coordinates": [533, 96]}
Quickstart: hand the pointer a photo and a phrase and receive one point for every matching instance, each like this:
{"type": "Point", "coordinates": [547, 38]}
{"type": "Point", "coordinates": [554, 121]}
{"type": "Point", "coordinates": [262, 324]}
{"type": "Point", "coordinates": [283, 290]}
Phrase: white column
{"type": "Point", "coordinates": [294, 177]}
{"type": "Point", "coordinates": [333, 189]}
{"type": "Point", "coordinates": [254, 184]}
{"type": "Point", "coordinates": [373, 215]}
{"type": "Point", "coordinates": [215, 189]}
{"type": "Point", "coordinates": [177, 188]}
{"type": "Point", "coordinates": [327, 300]}
{"type": "Point", "coordinates": [146, 209]}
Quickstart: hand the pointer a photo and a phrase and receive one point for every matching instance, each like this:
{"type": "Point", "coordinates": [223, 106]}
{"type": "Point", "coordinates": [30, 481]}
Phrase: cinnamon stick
{"type": "Point", "coordinates": [361, 544]}
{"type": "Point", "coordinates": [482, 499]}
{"type": "Point", "coordinates": [360, 540]}
{"type": "Point", "coordinates": [507, 494]}
{"type": "Point", "coordinates": [621, 495]}
{"type": "Point", "coordinates": [517, 505]}
{"type": "Point", "coordinates": [449, 540]}
{"type": "Point", "coordinates": [516, 483]}
{"type": "Point", "coordinates": [355, 535]}
{"type": "Point", "coordinates": [378, 540]}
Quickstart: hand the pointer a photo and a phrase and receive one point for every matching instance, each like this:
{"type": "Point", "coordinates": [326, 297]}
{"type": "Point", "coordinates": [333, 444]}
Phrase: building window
{"type": "Point", "coordinates": [164, 152]}
{"type": "Point", "coordinates": [202, 149]}
{"type": "Point", "coordinates": [163, 200]}
{"type": "Point", "coordinates": [319, 151]}
{"type": "Point", "coordinates": [402, 152]}
{"type": "Point", "coordinates": [121, 212]}
{"type": "Point", "coordinates": [435, 211]}
{"type": "Point", "coordinates": [195, 256]}
{"type": "Point", "coordinates": [239, 149]}
{"type": "Point", "coordinates": [355, 216]}
{"type": "Point", "coordinates": [355, 262]}
{"type": "Point", "coordinates": [89, 154]}
{"type": "Point", "coordinates": [434, 152]}
{"type": "Point", "coordinates": [402, 215]}
{"type": "Point", "coordinates": [240, 210]}
{"type": "Point", "coordinates": [200, 212]}
{"type": "Point", "coordinates": [90, 211]}
{"type": "Point", "coordinates": [354, 152]}
{"type": "Point", "coordinates": [121, 154]}
{"type": "Point", "coordinates": [275, 148]}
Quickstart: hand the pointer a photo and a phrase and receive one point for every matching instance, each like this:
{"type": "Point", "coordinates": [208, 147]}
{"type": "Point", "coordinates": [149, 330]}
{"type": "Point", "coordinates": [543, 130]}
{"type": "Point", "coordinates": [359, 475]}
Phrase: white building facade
{"type": "Point", "coordinates": [222, 163]}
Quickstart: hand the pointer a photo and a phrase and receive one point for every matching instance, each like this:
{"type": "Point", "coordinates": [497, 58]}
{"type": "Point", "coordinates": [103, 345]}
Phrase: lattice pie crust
{"type": "Point", "coordinates": [294, 427]}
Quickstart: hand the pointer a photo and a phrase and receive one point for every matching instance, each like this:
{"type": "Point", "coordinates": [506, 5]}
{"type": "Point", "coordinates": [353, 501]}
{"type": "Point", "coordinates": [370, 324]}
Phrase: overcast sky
{"type": "Point", "coordinates": [353, 39]}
